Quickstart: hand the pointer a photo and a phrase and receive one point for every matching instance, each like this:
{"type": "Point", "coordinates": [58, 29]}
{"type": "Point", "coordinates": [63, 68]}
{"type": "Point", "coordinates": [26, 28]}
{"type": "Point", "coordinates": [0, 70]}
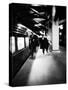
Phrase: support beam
{"type": "Point", "coordinates": [55, 31]}
{"type": "Point", "coordinates": [16, 46]}
{"type": "Point", "coordinates": [55, 36]}
{"type": "Point", "coordinates": [24, 42]}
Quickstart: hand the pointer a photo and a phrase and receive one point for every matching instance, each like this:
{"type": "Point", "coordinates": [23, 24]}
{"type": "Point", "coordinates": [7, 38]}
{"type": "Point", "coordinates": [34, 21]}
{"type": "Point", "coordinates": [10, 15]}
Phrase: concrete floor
{"type": "Point", "coordinates": [48, 68]}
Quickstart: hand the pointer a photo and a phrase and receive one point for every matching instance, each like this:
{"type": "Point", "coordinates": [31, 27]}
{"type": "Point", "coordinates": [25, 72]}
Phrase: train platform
{"type": "Point", "coordinates": [48, 68]}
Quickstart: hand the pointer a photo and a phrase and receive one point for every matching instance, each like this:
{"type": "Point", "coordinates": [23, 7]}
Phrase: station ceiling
{"type": "Point", "coordinates": [34, 17]}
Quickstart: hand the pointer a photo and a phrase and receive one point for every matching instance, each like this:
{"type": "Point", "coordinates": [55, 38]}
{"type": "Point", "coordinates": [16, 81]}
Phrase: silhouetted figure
{"type": "Point", "coordinates": [33, 43]}
{"type": "Point", "coordinates": [44, 44]}
{"type": "Point", "coordinates": [36, 42]}
{"type": "Point", "coordinates": [47, 44]}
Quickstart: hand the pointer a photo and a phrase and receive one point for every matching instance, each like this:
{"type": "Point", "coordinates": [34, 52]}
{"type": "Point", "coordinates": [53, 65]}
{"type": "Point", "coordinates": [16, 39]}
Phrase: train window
{"type": "Point", "coordinates": [12, 44]}
{"type": "Point", "coordinates": [20, 42]}
{"type": "Point", "coordinates": [27, 41]}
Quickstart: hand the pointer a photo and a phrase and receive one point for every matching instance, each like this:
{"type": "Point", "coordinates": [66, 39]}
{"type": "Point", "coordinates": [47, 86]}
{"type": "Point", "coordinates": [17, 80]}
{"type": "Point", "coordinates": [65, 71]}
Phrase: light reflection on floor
{"type": "Point", "coordinates": [46, 68]}
{"type": "Point", "coordinates": [42, 69]}
{"type": "Point", "coordinates": [40, 53]}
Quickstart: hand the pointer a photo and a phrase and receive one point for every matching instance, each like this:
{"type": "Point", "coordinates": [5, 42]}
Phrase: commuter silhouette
{"type": "Point", "coordinates": [44, 44]}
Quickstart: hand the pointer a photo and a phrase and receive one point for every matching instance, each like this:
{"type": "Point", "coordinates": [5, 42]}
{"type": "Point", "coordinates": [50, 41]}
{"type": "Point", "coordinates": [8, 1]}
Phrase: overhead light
{"type": "Point", "coordinates": [37, 25]}
{"type": "Point", "coordinates": [34, 10]}
{"type": "Point", "coordinates": [53, 11]}
{"type": "Point", "coordinates": [35, 5]}
{"type": "Point", "coordinates": [41, 32]}
{"type": "Point", "coordinates": [60, 33]}
{"type": "Point", "coordinates": [19, 25]}
{"type": "Point", "coordinates": [38, 19]}
{"type": "Point", "coordinates": [61, 26]}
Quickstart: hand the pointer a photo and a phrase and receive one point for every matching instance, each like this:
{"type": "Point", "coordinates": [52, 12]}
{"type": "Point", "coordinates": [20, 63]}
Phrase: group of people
{"type": "Point", "coordinates": [35, 41]}
{"type": "Point", "coordinates": [44, 44]}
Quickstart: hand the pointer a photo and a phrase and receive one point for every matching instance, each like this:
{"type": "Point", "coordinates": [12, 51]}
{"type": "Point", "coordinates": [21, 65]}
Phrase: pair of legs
{"type": "Point", "coordinates": [47, 50]}
{"type": "Point", "coordinates": [43, 50]}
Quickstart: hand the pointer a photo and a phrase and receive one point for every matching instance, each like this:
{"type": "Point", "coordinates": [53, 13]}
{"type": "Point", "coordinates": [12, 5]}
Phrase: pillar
{"type": "Point", "coordinates": [24, 42]}
{"type": "Point", "coordinates": [16, 46]}
{"type": "Point", "coordinates": [55, 31]}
